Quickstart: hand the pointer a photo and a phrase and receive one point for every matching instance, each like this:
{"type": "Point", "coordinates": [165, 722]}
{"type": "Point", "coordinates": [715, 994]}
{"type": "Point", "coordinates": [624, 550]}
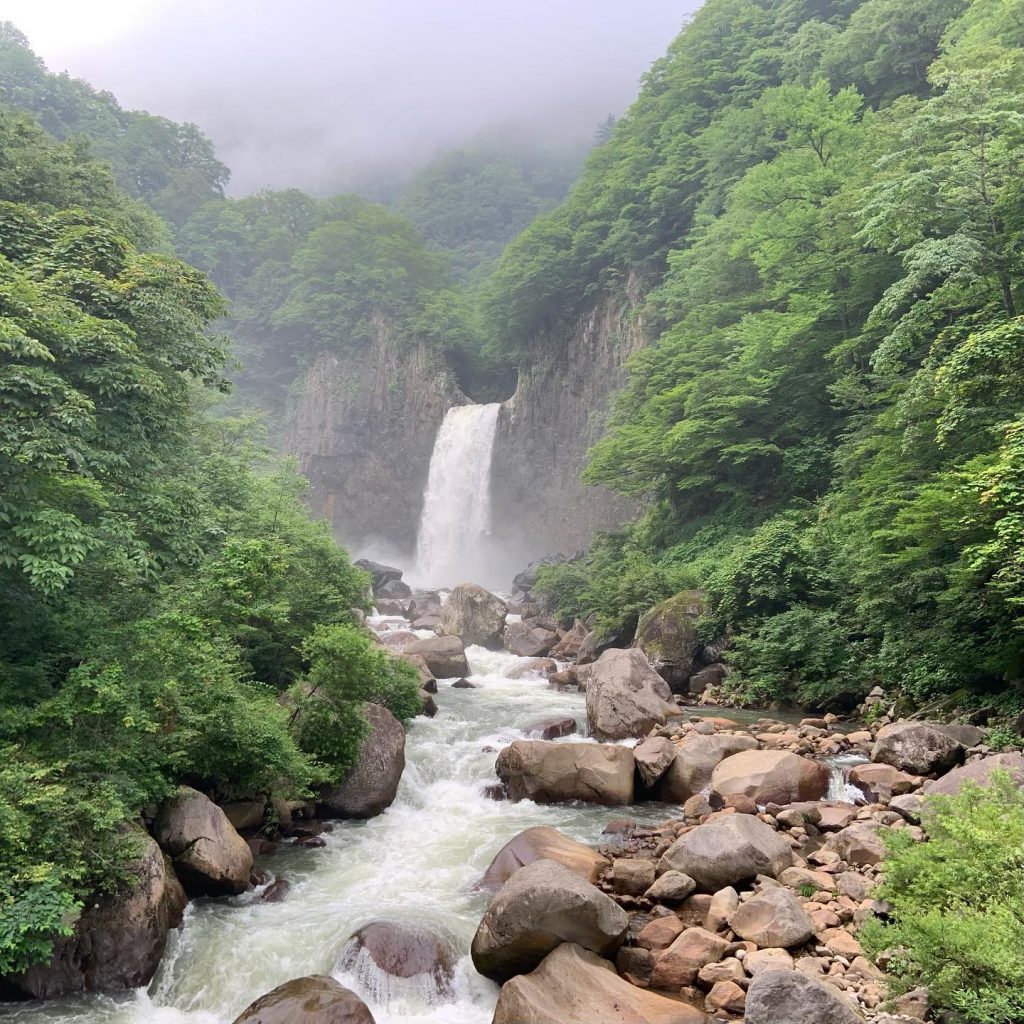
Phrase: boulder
{"type": "Point", "coordinates": [770, 776]}
{"type": "Point", "coordinates": [680, 964]}
{"type": "Point", "coordinates": [920, 748]}
{"type": "Point", "coordinates": [773, 918]}
{"type": "Point", "coordinates": [550, 728]}
{"type": "Point", "coordinates": [118, 938]}
{"type": "Point", "coordinates": [428, 706]}
{"type": "Point", "coordinates": [880, 782]}
{"type": "Point", "coordinates": [316, 999]}
{"type": "Point", "coordinates": [965, 735]}
{"type": "Point", "coordinates": [539, 843]}
{"type": "Point", "coordinates": [379, 573]}
{"type": "Point", "coordinates": [574, 986]}
{"type": "Point", "coordinates": [372, 783]}
{"type": "Point", "coordinates": [210, 857]}
{"type": "Point", "coordinates": [653, 756]}
{"type": "Point", "coordinates": [526, 642]}
{"type": "Point", "coordinates": [245, 814]}
{"type": "Point", "coordinates": [541, 906]}
{"type": "Point", "coordinates": [626, 698]}
{"type": "Point", "coordinates": [426, 677]}
{"type": "Point", "coordinates": [532, 666]}
{"type": "Point", "coordinates": [475, 615]}
{"type": "Point", "coordinates": [402, 952]}
{"type": "Point", "coordinates": [424, 602]}
{"type": "Point", "coordinates": [858, 844]}
{"type": "Point", "coordinates": [671, 887]}
{"type": "Point", "coordinates": [713, 675]}
{"type": "Point", "coordinates": [632, 876]}
{"type": "Point", "coordinates": [791, 997]}
{"type": "Point", "coordinates": [569, 646]}
{"type": "Point", "coordinates": [667, 634]}
{"type": "Point", "coordinates": [726, 851]}
{"type": "Point", "coordinates": [695, 761]}
{"type": "Point", "coordinates": [979, 772]}
{"type": "Point", "coordinates": [550, 773]}
{"type": "Point", "coordinates": [391, 607]}
{"type": "Point", "coordinates": [445, 656]}
{"type": "Point", "coordinates": [393, 590]}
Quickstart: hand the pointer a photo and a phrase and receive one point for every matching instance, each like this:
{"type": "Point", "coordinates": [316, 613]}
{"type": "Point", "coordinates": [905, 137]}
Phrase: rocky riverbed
{"type": "Point", "coordinates": [696, 865]}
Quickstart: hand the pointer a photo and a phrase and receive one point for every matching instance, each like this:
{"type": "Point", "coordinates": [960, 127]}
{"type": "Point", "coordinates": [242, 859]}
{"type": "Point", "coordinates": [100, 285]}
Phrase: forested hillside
{"type": "Point", "coordinates": [825, 201]}
{"type": "Point", "coordinates": [161, 585]}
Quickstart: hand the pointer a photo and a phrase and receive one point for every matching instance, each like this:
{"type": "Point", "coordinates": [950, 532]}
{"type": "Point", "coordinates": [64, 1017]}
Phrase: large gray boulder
{"type": "Point", "coordinates": [626, 698]}
{"type": "Point", "coordinates": [118, 938]}
{"type": "Point", "coordinates": [790, 997]}
{"type": "Point", "coordinates": [209, 856]}
{"type": "Point", "coordinates": [916, 747]}
{"type": "Point", "coordinates": [770, 777]}
{"type": "Point", "coordinates": [445, 656]}
{"type": "Point", "coordinates": [550, 773]}
{"type": "Point", "coordinates": [313, 1000]}
{"type": "Point", "coordinates": [667, 634]}
{"type": "Point", "coordinates": [539, 843]}
{"type": "Point", "coordinates": [979, 772]}
{"type": "Point", "coordinates": [575, 986]}
{"type": "Point", "coordinates": [541, 906]}
{"type": "Point", "coordinates": [372, 783]}
{"type": "Point", "coordinates": [474, 614]}
{"type": "Point", "coordinates": [773, 918]}
{"type": "Point", "coordinates": [695, 761]}
{"type": "Point", "coordinates": [727, 850]}
{"type": "Point", "coordinates": [380, 574]}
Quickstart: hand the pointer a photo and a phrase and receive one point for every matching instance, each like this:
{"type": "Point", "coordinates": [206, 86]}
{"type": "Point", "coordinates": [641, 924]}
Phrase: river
{"type": "Point", "coordinates": [417, 863]}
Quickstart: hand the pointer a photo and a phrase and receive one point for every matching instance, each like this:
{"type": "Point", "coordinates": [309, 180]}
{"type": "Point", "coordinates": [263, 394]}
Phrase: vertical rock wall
{"type": "Point", "coordinates": [363, 428]}
{"type": "Point", "coordinates": [558, 411]}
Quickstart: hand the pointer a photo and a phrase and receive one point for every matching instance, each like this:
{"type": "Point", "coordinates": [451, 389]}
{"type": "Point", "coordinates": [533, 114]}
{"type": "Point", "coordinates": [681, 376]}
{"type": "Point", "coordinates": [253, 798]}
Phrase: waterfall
{"type": "Point", "coordinates": [451, 546]}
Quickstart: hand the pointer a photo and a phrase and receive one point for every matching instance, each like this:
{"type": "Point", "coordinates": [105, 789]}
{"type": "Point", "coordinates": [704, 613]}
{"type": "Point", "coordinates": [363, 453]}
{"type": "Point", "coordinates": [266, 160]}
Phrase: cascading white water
{"type": "Point", "coordinates": [451, 546]}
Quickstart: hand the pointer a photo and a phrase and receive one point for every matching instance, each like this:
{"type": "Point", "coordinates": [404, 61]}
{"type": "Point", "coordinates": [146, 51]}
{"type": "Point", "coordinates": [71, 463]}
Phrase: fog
{"type": "Point", "coordinates": [320, 94]}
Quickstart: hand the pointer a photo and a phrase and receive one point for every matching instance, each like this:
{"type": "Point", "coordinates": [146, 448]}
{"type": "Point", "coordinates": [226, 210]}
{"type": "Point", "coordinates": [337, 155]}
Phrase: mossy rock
{"type": "Point", "coordinates": [668, 635]}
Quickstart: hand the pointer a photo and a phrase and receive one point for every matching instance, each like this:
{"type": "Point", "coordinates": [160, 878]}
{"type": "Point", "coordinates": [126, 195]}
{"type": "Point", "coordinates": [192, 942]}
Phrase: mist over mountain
{"type": "Point", "coordinates": [344, 95]}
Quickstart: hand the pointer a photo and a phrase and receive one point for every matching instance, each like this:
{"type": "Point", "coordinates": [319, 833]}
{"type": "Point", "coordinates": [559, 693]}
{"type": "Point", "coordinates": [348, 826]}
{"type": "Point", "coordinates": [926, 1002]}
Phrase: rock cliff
{"type": "Point", "coordinates": [364, 424]}
{"type": "Point", "coordinates": [558, 411]}
{"type": "Point", "coordinates": [363, 428]}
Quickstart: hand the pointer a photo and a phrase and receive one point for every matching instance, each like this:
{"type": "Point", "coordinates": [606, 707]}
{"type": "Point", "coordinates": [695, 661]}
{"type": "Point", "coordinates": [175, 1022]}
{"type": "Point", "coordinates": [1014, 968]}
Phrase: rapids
{"type": "Point", "coordinates": [416, 863]}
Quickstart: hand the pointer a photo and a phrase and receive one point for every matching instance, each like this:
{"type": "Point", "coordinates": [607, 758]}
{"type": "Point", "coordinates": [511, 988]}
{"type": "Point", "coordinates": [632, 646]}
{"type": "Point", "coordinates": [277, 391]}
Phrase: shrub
{"type": "Point", "coordinates": [345, 670]}
{"type": "Point", "coordinates": [958, 904]}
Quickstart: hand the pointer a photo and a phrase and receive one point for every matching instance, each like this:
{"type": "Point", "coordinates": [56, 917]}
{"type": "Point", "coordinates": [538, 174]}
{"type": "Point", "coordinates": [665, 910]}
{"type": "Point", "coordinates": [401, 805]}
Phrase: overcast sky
{"type": "Point", "coordinates": [318, 93]}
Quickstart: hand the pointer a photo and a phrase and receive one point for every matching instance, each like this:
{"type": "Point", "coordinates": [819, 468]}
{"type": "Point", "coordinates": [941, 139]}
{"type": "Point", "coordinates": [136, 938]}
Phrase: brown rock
{"type": "Point", "coordinates": [859, 844]}
{"type": "Point", "coordinates": [978, 772]}
{"type": "Point", "coordinates": [726, 995]}
{"type": "Point", "coordinates": [210, 857]}
{"type": "Point", "coordinates": [573, 986]}
{"type": "Point", "coordinates": [880, 782]}
{"type": "Point", "coordinates": [653, 756]}
{"type": "Point", "coordinates": [550, 728]}
{"type": "Point", "coordinates": [767, 960]}
{"type": "Point", "coordinates": [770, 776]}
{"type": "Point", "coordinates": [372, 783]}
{"type": "Point", "coordinates": [118, 938]}
{"type": "Point", "coordinates": [537, 843]}
{"type": "Point", "coordinates": [625, 696]}
{"type": "Point", "coordinates": [773, 918]}
{"type": "Point", "coordinates": [402, 952]}
{"type": "Point", "coordinates": [555, 772]}
{"type": "Point", "coordinates": [313, 1000]}
{"type": "Point", "coordinates": [445, 656]}
{"type": "Point", "coordinates": [728, 850]}
{"type": "Point", "coordinates": [916, 747]}
{"type": "Point", "coordinates": [680, 963]}
{"type": "Point", "coordinates": [660, 933]}
{"type": "Point", "coordinates": [695, 761]}
{"type": "Point", "coordinates": [632, 877]}
{"type": "Point", "coordinates": [474, 615]}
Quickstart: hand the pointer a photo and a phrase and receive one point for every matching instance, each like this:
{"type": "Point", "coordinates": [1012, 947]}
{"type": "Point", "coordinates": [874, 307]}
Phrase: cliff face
{"type": "Point", "coordinates": [558, 411]}
{"type": "Point", "coordinates": [363, 430]}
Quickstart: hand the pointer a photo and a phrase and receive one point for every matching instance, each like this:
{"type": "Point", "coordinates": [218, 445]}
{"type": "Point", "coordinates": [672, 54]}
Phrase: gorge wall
{"type": "Point", "coordinates": [559, 410]}
{"type": "Point", "coordinates": [364, 424]}
{"type": "Point", "coordinates": [363, 428]}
